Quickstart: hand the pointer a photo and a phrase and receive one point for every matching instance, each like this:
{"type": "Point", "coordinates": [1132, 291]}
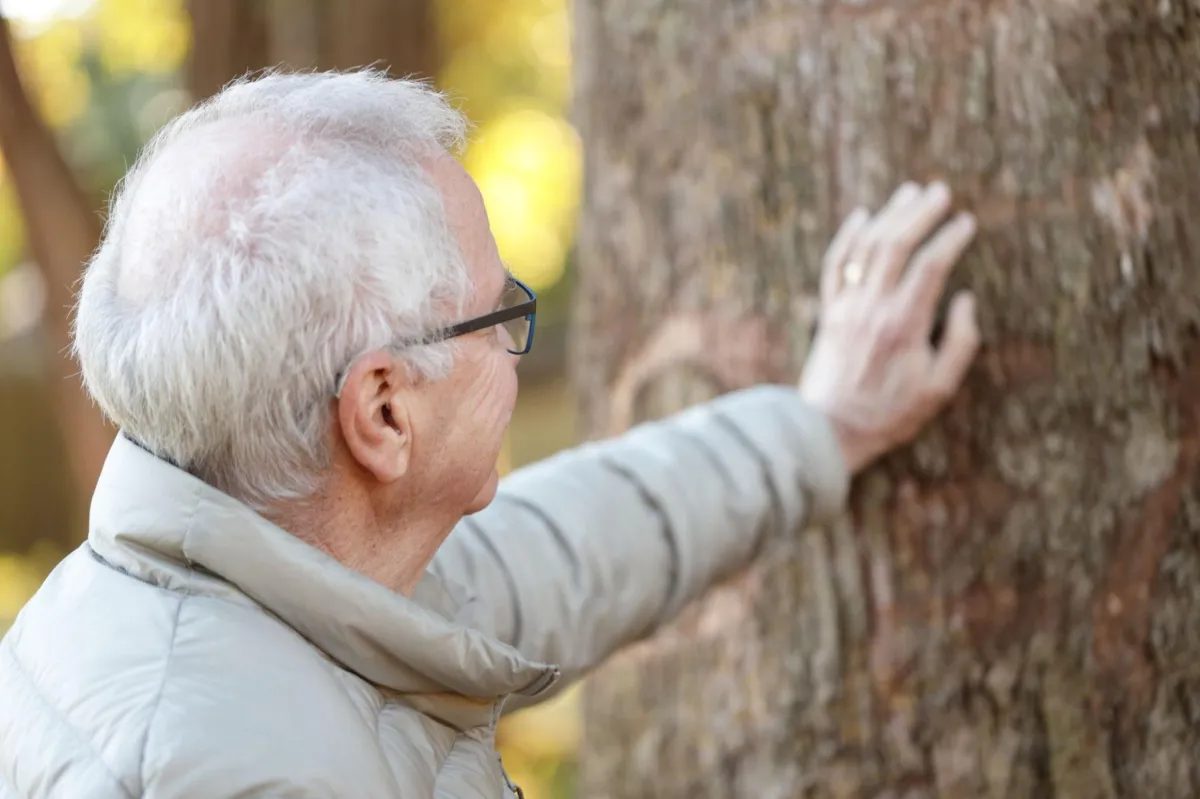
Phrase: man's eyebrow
{"type": "Point", "coordinates": [508, 279]}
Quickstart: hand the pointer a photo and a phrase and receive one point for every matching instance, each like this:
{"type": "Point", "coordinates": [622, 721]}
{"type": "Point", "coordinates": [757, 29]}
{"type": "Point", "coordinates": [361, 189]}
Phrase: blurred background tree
{"type": "Point", "coordinates": [84, 83]}
{"type": "Point", "coordinates": [232, 37]}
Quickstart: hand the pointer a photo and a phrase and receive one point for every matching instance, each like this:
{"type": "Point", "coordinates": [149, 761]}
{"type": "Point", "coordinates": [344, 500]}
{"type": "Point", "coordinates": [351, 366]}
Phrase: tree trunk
{"type": "Point", "coordinates": [62, 230]}
{"type": "Point", "coordinates": [1010, 607]}
{"type": "Point", "coordinates": [233, 37]}
{"type": "Point", "coordinates": [229, 39]}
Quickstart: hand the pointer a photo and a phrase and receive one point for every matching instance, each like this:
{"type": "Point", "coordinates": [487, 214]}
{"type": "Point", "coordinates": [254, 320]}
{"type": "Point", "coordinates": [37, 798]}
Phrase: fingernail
{"type": "Point", "coordinates": [967, 220]}
{"type": "Point", "coordinates": [939, 191]}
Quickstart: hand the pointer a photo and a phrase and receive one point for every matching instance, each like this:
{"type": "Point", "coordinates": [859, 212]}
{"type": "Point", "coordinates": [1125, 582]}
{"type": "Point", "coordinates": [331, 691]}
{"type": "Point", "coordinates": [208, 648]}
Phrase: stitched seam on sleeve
{"type": "Point", "coordinates": [776, 517]}
{"type": "Point", "coordinates": [710, 454]}
{"type": "Point", "coordinates": [518, 619]}
{"type": "Point", "coordinates": [772, 519]}
{"type": "Point", "coordinates": [555, 530]}
{"type": "Point", "coordinates": [675, 555]}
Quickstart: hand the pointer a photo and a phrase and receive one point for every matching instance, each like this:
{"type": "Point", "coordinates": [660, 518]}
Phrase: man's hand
{"type": "Point", "coordinates": [872, 368]}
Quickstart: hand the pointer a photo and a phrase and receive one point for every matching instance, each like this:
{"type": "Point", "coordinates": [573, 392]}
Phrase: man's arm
{"type": "Point", "coordinates": [588, 551]}
{"type": "Point", "coordinates": [594, 548]}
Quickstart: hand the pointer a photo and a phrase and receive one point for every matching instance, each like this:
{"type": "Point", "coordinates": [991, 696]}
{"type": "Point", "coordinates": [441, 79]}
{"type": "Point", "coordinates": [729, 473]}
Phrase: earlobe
{"type": "Point", "coordinates": [373, 418]}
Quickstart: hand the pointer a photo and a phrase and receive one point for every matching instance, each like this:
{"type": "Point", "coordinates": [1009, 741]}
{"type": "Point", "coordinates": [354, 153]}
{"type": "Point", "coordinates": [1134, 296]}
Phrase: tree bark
{"type": "Point", "coordinates": [234, 37]}
{"type": "Point", "coordinates": [62, 229]}
{"type": "Point", "coordinates": [1009, 609]}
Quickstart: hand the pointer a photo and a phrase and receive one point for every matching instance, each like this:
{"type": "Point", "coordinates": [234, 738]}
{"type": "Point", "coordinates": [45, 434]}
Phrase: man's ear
{"type": "Point", "coordinates": [373, 414]}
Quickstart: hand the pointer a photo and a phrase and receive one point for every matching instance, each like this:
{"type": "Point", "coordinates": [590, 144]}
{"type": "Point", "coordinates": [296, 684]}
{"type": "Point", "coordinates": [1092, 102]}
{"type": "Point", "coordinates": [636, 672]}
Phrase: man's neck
{"type": "Point", "coordinates": [351, 533]}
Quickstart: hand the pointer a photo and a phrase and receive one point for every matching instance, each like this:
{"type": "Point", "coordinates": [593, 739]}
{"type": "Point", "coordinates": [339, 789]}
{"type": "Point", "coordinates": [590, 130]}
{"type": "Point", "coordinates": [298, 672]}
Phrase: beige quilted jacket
{"type": "Point", "coordinates": [192, 649]}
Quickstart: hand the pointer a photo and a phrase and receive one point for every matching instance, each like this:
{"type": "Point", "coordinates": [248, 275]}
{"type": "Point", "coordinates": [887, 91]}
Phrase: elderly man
{"type": "Point", "coordinates": [301, 577]}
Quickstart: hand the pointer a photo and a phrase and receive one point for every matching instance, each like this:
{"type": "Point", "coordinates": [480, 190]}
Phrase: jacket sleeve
{"type": "Point", "coordinates": [594, 548]}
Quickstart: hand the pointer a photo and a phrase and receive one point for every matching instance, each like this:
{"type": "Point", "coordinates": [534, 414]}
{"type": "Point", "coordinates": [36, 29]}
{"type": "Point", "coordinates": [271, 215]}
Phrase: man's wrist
{"type": "Point", "coordinates": [857, 449]}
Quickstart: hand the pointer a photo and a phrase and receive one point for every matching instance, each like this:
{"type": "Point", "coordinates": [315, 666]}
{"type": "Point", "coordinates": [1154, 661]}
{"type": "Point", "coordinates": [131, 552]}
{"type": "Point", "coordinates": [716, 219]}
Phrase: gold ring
{"type": "Point", "coordinates": [853, 273]}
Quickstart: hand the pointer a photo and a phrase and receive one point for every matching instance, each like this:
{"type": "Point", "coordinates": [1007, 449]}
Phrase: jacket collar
{"type": "Point", "coordinates": [167, 527]}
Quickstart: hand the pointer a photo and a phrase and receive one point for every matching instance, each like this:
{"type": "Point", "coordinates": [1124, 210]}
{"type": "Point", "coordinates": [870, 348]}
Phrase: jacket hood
{"type": "Point", "coordinates": [166, 527]}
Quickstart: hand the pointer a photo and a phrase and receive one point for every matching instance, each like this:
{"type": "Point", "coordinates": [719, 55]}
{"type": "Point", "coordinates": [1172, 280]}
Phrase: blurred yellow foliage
{"type": "Point", "coordinates": [548, 730]}
{"type": "Point", "coordinates": [528, 164]}
{"type": "Point", "coordinates": [550, 37]}
{"type": "Point", "coordinates": [508, 64]}
{"type": "Point", "coordinates": [19, 578]}
{"type": "Point", "coordinates": [12, 230]}
{"type": "Point", "coordinates": [539, 745]}
{"type": "Point", "coordinates": [52, 72]}
{"type": "Point", "coordinates": [142, 35]}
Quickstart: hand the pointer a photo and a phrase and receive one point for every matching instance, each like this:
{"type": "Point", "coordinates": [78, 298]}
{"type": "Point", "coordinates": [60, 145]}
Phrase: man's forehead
{"type": "Point", "coordinates": [456, 185]}
{"type": "Point", "coordinates": [467, 217]}
{"type": "Point", "coordinates": [505, 285]}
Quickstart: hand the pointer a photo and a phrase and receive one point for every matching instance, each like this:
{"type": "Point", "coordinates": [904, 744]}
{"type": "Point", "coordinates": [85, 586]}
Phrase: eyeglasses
{"type": "Point", "coordinates": [517, 314]}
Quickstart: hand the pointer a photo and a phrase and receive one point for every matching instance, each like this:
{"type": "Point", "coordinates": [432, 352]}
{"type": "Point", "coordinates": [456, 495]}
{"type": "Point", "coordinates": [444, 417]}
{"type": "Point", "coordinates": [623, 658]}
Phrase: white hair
{"type": "Point", "coordinates": [262, 241]}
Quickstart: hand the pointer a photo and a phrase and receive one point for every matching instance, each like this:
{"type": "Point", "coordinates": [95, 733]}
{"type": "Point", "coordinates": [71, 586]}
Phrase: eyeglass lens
{"type": "Point", "coordinates": [516, 330]}
{"type": "Point", "coordinates": [517, 333]}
